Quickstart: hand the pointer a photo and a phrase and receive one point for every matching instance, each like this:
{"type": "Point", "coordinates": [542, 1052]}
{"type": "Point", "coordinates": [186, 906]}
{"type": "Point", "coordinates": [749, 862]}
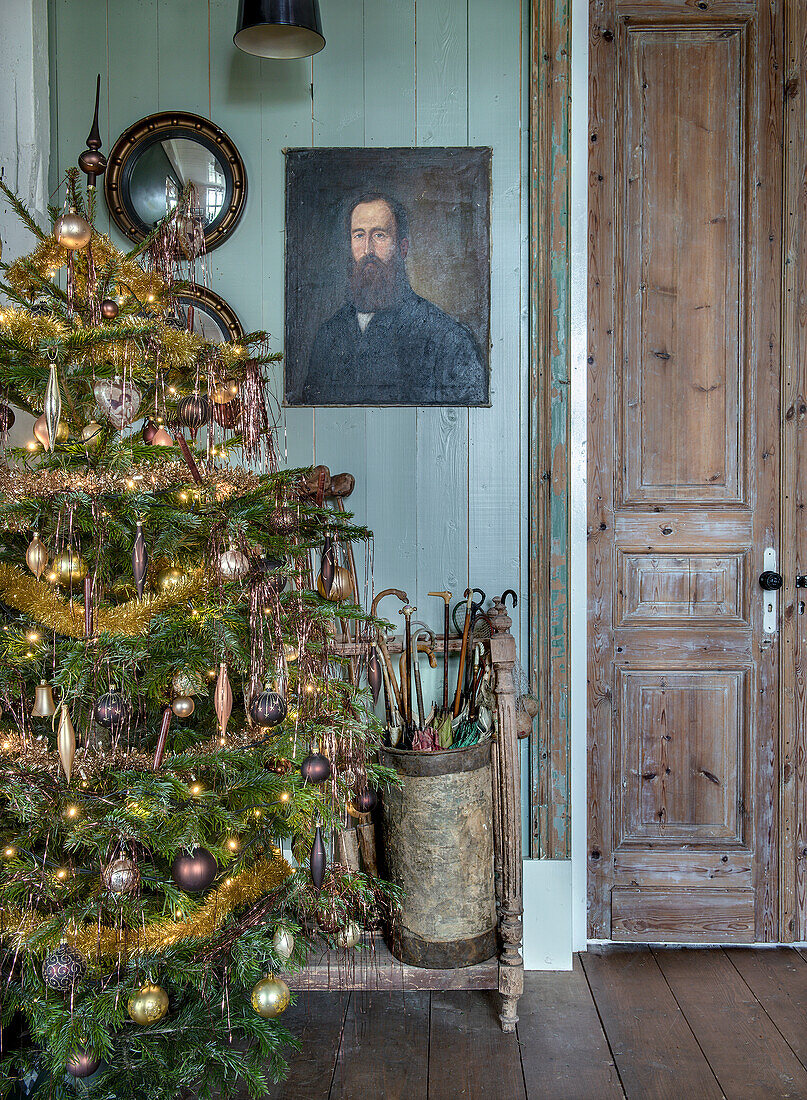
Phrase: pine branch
{"type": "Point", "coordinates": [22, 211]}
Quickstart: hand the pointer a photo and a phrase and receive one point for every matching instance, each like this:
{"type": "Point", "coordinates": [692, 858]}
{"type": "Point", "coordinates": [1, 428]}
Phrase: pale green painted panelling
{"type": "Point", "coordinates": [441, 488]}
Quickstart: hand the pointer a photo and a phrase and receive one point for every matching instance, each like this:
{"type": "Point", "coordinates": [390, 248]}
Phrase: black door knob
{"type": "Point", "coordinates": [770, 581]}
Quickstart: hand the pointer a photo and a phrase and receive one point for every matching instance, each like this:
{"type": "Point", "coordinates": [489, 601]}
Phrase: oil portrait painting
{"type": "Point", "coordinates": [387, 277]}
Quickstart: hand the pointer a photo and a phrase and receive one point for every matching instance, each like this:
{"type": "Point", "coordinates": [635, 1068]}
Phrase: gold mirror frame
{"type": "Point", "coordinates": [213, 303]}
{"type": "Point", "coordinates": [154, 128]}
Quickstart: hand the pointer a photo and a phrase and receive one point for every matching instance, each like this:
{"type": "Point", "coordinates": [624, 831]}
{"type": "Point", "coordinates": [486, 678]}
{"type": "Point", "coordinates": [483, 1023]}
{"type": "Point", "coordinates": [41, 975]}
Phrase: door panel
{"type": "Point", "coordinates": [684, 318]}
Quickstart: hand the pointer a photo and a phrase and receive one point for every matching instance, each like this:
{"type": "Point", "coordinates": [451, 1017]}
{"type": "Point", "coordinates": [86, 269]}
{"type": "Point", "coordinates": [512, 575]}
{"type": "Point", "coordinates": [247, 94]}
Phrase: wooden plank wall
{"type": "Point", "coordinates": [444, 490]}
{"type": "Point", "coordinates": [549, 425]}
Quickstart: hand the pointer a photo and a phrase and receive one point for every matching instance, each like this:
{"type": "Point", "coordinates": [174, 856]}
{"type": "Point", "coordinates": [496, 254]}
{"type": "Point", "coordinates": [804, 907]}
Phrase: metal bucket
{"type": "Point", "coordinates": [438, 839]}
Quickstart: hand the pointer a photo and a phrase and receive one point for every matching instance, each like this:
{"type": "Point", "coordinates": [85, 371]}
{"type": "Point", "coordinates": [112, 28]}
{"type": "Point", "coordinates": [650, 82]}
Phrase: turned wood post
{"type": "Point", "coordinates": [507, 815]}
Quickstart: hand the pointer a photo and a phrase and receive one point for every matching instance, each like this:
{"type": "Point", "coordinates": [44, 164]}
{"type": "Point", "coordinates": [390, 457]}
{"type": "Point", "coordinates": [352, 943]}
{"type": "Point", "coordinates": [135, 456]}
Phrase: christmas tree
{"type": "Point", "coordinates": [174, 700]}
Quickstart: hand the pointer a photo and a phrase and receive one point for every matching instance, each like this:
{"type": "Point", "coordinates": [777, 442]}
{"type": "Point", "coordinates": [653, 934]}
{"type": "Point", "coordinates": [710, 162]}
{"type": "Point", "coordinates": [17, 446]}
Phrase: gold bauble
{"type": "Point", "coordinates": [91, 435]}
{"type": "Point", "coordinates": [40, 430]}
{"type": "Point", "coordinates": [290, 652]}
{"type": "Point", "coordinates": [69, 567]}
{"type": "Point", "coordinates": [183, 706]}
{"type": "Point", "coordinates": [148, 1005]}
{"type": "Point", "coordinates": [72, 231]}
{"type": "Point", "coordinates": [225, 392]}
{"type": "Point", "coordinates": [188, 682]}
{"type": "Point", "coordinates": [168, 578]}
{"type": "Point", "coordinates": [270, 997]}
{"type": "Point", "coordinates": [36, 556]}
{"type": "Point", "coordinates": [342, 587]}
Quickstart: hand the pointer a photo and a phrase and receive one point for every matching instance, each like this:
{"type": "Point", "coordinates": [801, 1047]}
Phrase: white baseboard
{"type": "Point", "coordinates": [547, 914]}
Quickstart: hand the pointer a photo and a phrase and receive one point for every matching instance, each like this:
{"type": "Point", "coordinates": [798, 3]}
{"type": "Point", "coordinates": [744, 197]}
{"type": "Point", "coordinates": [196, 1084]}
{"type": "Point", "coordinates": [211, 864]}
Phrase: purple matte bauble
{"type": "Point", "coordinates": [194, 872]}
{"type": "Point", "coordinates": [365, 800]}
{"type": "Point", "coordinates": [82, 1063]}
{"type": "Point", "coordinates": [268, 709]}
{"type": "Point", "coordinates": [111, 711]}
{"type": "Point", "coordinates": [316, 768]}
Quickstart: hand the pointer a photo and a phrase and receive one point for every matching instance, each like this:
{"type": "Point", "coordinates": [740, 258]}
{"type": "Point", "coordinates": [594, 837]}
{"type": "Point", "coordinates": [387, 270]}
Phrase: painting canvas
{"type": "Point", "coordinates": [387, 277]}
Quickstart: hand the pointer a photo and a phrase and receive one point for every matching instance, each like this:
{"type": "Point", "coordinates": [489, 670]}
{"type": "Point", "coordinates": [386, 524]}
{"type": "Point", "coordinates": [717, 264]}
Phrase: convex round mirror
{"type": "Point", "coordinates": [153, 162]}
{"type": "Point", "coordinates": [208, 315]}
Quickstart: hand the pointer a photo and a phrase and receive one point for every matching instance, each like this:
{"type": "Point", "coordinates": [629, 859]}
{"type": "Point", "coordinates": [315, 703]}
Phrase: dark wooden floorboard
{"type": "Point", "coordinates": [469, 1054]}
{"type": "Point", "coordinates": [564, 1052]}
{"type": "Point", "coordinates": [654, 1049]}
{"type": "Point", "coordinates": [316, 1020]}
{"type": "Point", "coordinates": [778, 979]}
{"type": "Point", "coordinates": [746, 1051]}
{"type": "Point", "coordinates": [385, 1047]}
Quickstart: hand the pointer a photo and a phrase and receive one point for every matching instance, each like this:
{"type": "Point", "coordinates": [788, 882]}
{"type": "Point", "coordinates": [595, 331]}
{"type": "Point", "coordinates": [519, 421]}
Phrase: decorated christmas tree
{"type": "Point", "coordinates": [175, 706]}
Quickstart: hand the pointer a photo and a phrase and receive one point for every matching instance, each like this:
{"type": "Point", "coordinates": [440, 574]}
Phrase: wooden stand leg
{"type": "Point", "coordinates": [507, 816]}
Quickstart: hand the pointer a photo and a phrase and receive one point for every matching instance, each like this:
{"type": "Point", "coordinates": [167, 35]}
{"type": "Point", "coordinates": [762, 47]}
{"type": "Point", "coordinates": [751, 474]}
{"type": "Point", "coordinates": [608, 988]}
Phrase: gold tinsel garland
{"type": "Point", "coordinates": [17, 485]}
{"type": "Point", "coordinates": [92, 941]}
{"type": "Point", "coordinates": [40, 602]}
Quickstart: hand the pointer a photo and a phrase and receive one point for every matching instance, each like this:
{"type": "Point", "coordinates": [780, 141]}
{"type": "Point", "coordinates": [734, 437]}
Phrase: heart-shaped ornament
{"type": "Point", "coordinates": [118, 401]}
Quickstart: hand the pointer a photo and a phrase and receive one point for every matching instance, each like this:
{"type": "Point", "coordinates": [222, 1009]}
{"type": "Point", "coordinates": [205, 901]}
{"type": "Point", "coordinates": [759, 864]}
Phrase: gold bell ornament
{"type": "Point", "coordinates": [36, 556]}
{"type": "Point", "coordinates": [44, 706]}
{"type": "Point", "coordinates": [270, 997]}
{"type": "Point", "coordinates": [148, 1005]}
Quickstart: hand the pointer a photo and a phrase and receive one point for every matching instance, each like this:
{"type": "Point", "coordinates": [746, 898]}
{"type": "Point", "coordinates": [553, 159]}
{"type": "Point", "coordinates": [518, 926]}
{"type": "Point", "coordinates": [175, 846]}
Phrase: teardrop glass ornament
{"type": "Point", "coordinates": [223, 699]}
{"type": "Point", "coordinates": [36, 556]}
{"type": "Point", "coordinates": [52, 411]}
{"type": "Point", "coordinates": [66, 741]}
{"type": "Point", "coordinates": [140, 560]}
{"type": "Point", "coordinates": [318, 860]}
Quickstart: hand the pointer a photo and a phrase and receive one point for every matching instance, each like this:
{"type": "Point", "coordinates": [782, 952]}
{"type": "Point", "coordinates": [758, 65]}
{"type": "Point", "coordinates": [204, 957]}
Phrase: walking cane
{"type": "Point", "coordinates": [446, 597]}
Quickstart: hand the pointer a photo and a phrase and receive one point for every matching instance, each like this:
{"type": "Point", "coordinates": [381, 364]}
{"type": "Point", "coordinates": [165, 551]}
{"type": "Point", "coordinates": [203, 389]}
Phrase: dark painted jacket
{"type": "Point", "coordinates": [412, 355]}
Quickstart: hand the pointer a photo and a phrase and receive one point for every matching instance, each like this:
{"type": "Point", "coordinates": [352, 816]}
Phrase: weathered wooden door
{"type": "Point", "coordinates": [685, 215]}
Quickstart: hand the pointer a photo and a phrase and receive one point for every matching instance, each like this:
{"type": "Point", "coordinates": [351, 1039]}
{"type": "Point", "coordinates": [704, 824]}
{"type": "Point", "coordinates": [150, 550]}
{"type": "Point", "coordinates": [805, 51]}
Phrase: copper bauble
{"type": "Point", "coordinates": [7, 418]}
{"type": "Point", "coordinates": [270, 997]}
{"type": "Point", "coordinates": [169, 578]}
{"type": "Point", "coordinates": [121, 876]}
{"type": "Point", "coordinates": [69, 568]}
{"type": "Point", "coordinates": [161, 438]}
{"type": "Point", "coordinates": [148, 1005]}
{"type": "Point", "coordinates": [82, 1062]}
{"type": "Point", "coordinates": [365, 800]}
{"type": "Point", "coordinates": [91, 435]}
{"type": "Point", "coordinates": [194, 871]}
{"type": "Point", "coordinates": [72, 231]}
{"type": "Point", "coordinates": [183, 706]}
{"type": "Point", "coordinates": [36, 556]}
{"type": "Point", "coordinates": [40, 430]}
{"type": "Point", "coordinates": [341, 587]}
{"type": "Point", "coordinates": [109, 309]}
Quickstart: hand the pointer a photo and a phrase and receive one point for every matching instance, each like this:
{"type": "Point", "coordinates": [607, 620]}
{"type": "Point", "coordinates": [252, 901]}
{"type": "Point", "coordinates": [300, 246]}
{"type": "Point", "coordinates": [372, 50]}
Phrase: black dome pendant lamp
{"type": "Point", "coordinates": [281, 29]}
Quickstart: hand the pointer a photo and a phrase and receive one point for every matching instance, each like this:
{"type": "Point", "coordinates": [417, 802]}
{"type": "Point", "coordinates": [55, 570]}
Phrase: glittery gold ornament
{"type": "Point", "coordinates": [341, 588]}
{"type": "Point", "coordinates": [121, 876]}
{"type": "Point", "coordinates": [148, 1005]}
{"type": "Point", "coordinates": [270, 997]}
{"type": "Point", "coordinates": [69, 567]}
{"type": "Point", "coordinates": [72, 231]}
{"type": "Point", "coordinates": [36, 556]}
{"type": "Point", "coordinates": [188, 682]}
{"type": "Point", "coordinates": [169, 578]}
